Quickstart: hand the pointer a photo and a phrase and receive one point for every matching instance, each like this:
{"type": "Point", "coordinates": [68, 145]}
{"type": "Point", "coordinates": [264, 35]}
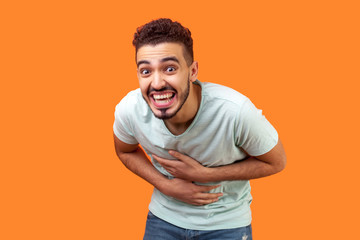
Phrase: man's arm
{"type": "Point", "coordinates": [264, 165]}
{"type": "Point", "coordinates": [134, 158]}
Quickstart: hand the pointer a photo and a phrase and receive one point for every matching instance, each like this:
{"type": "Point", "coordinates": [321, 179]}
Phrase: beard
{"type": "Point", "coordinates": [164, 115]}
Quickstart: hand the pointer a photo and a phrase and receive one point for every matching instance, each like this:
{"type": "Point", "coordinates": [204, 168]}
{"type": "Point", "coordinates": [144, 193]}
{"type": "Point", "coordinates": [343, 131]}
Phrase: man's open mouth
{"type": "Point", "coordinates": [162, 100]}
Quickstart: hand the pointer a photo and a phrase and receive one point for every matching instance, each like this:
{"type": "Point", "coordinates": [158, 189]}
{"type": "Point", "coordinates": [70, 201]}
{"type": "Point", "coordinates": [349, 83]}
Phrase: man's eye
{"type": "Point", "coordinates": [170, 69]}
{"type": "Point", "coordinates": [144, 71]}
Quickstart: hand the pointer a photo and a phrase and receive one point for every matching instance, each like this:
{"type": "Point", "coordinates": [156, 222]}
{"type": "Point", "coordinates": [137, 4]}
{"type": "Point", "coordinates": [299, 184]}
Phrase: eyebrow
{"type": "Point", "coordinates": [170, 59]}
{"type": "Point", "coordinates": [166, 59]}
{"type": "Point", "coordinates": [142, 62]}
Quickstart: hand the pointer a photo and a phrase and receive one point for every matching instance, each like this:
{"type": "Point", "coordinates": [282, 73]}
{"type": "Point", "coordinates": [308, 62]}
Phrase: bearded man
{"type": "Point", "coordinates": [205, 141]}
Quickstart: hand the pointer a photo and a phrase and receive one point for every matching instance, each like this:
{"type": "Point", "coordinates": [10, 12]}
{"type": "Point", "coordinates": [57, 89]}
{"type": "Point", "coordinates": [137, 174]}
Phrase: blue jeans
{"type": "Point", "coordinates": [157, 229]}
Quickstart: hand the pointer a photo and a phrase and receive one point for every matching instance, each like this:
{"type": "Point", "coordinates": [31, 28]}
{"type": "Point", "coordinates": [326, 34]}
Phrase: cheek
{"type": "Point", "coordinates": [144, 86]}
{"type": "Point", "coordinates": [179, 81]}
{"type": "Point", "coordinates": [143, 92]}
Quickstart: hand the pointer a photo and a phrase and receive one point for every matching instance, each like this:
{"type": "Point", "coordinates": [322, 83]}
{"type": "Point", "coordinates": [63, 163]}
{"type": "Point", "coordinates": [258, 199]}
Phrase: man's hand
{"type": "Point", "coordinates": [134, 158]}
{"type": "Point", "coordinates": [184, 167]}
{"type": "Point", "coordinates": [190, 193]}
{"type": "Point", "coordinates": [189, 169]}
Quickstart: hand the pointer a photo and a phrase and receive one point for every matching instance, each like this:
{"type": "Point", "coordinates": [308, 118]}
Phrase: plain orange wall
{"type": "Point", "coordinates": [66, 64]}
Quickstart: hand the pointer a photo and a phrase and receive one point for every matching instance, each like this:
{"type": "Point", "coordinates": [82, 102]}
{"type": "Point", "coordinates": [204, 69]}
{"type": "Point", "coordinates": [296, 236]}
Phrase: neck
{"type": "Point", "coordinates": [182, 120]}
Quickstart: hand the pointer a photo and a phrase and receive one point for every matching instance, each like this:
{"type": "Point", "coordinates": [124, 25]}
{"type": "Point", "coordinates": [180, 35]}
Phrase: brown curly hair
{"type": "Point", "coordinates": [165, 30]}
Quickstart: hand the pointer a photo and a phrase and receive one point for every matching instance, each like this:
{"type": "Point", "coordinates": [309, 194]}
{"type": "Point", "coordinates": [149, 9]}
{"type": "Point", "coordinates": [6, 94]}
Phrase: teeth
{"type": "Point", "coordinates": [163, 101]}
{"type": "Point", "coordinates": [163, 96]}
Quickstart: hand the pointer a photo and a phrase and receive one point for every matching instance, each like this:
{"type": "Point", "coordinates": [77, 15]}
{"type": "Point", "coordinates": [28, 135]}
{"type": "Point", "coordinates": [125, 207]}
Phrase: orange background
{"type": "Point", "coordinates": [66, 64]}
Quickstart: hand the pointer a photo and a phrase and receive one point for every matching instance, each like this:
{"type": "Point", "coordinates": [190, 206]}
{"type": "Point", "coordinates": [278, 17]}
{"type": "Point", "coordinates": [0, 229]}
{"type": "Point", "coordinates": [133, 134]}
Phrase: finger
{"type": "Point", "coordinates": [179, 156]}
{"type": "Point", "coordinates": [175, 153]}
{"type": "Point", "coordinates": [163, 161]}
{"type": "Point", "coordinates": [170, 170]}
{"type": "Point", "coordinates": [209, 196]}
{"type": "Point", "coordinates": [158, 158]}
{"type": "Point", "coordinates": [207, 188]}
{"type": "Point", "coordinates": [200, 202]}
{"type": "Point", "coordinates": [167, 166]}
{"type": "Point", "coordinates": [205, 201]}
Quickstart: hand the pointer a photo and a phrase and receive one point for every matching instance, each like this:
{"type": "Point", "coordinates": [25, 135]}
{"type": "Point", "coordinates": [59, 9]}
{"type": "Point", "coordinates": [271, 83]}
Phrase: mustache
{"type": "Point", "coordinates": [151, 89]}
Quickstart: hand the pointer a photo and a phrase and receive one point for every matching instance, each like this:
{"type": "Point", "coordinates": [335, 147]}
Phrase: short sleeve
{"type": "Point", "coordinates": [254, 133]}
{"type": "Point", "coordinates": [122, 124]}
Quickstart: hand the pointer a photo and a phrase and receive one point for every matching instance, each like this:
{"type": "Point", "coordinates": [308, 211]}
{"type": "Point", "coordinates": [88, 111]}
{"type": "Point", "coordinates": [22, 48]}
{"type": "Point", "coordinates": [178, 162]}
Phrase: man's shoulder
{"type": "Point", "coordinates": [217, 92]}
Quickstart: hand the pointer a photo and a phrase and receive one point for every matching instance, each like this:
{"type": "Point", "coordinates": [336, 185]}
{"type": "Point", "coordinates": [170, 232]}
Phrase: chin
{"type": "Point", "coordinates": [163, 114]}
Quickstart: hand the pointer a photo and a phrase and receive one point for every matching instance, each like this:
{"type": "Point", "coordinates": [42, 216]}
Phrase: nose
{"type": "Point", "coordinates": [158, 81]}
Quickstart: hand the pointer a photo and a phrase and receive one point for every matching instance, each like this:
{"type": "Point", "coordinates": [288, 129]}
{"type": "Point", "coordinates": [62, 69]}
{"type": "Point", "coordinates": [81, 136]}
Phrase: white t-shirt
{"type": "Point", "coordinates": [226, 124]}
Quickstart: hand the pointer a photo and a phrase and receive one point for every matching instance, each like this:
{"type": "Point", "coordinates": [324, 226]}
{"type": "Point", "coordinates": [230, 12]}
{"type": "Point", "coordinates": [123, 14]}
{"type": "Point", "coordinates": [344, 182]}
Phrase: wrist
{"type": "Point", "coordinates": [163, 185]}
{"type": "Point", "coordinates": [206, 175]}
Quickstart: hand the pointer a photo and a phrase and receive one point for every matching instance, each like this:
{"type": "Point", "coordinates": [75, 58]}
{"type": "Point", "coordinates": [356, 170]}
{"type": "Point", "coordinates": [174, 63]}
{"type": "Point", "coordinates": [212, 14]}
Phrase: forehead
{"type": "Point", "coordinates": [154, 53]}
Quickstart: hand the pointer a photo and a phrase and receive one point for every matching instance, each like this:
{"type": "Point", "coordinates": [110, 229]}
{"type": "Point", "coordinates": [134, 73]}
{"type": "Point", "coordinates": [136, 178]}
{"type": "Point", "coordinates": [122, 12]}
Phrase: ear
{"type": "Point", "coordinates": [194, 69]}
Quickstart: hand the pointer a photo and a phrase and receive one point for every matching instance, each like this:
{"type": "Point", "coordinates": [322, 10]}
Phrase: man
{"type": "Point", "coordinates": [205, 141]}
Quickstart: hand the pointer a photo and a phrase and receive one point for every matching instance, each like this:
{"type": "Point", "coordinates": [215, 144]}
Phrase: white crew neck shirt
{"type": "Point", "coordinates": [226, 124]}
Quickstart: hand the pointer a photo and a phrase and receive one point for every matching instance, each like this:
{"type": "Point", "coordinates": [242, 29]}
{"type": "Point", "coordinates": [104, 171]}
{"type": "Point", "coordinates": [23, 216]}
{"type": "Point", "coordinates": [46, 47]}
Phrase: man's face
{"type": "Point", "coordinates": [164, 78]}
